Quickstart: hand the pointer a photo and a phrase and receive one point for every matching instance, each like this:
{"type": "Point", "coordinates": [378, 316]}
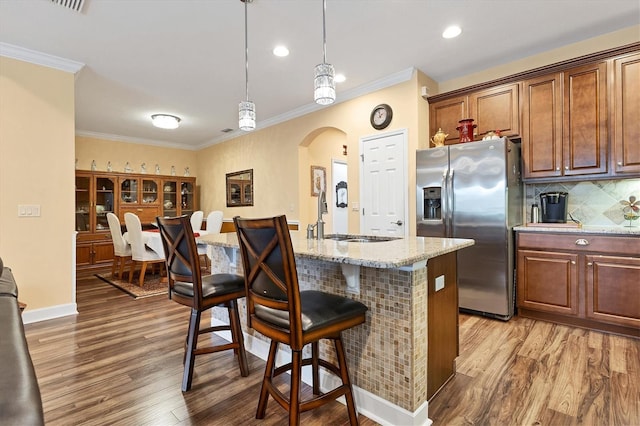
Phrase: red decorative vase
{"type": "Point", "coordinates": [466, 129]}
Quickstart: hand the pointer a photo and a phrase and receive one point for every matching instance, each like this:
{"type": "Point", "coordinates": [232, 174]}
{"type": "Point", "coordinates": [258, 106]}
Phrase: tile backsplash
{"type": "Point", "coordinates": [591, 202]}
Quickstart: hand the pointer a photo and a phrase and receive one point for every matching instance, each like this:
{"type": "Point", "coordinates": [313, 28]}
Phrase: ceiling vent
{"type": "Point", "coordinates": [71, 4]}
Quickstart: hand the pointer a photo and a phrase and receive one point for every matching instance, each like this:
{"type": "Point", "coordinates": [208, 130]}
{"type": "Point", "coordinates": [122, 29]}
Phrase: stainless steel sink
{"type": "Point", "coordinates": [358, 238]}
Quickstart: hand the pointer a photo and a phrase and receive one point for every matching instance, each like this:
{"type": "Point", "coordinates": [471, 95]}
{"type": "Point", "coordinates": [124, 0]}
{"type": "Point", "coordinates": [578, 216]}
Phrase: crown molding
{"type": "Point", "coordinates": [39, 58]}
{"type": "Point", "coordinates": [129, 139]}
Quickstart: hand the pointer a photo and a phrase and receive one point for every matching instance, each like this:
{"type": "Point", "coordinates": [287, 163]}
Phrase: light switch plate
{"type": "Point", "coordinates": [28, 210]}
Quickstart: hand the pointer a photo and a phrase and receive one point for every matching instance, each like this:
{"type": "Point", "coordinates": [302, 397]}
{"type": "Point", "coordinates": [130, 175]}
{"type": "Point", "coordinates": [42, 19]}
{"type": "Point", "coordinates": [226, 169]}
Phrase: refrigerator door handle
{"type": "Point", "coordinates": [450, 201]}
{"type": "Point", "coordinates": [445, 202]}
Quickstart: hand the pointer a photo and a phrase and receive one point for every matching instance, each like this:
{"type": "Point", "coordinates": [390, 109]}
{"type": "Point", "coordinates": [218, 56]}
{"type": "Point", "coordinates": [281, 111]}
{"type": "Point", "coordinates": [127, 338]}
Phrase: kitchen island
{"type": "Point", "coordinates": [393, 370]}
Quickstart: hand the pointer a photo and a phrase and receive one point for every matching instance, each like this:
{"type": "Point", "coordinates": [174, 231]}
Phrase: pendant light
{"type": "Point", "coordinates": [247, 109]}
{"type": "Point", "coordinates": [324, 87]}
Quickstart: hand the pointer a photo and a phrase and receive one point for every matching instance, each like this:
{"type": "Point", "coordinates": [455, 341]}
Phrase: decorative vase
{"type": "Point", "coordinates": [466, 129]}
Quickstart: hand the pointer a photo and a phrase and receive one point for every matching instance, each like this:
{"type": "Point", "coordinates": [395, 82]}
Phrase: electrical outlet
{"type": "Point", "coordinates": [439, 283]}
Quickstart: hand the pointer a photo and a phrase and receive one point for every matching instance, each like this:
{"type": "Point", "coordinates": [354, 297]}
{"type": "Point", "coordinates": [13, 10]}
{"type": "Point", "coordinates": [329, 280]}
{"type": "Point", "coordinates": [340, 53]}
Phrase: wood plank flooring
{"type": "Point", "coordinates": [120, 362]}
{"type": "Point", "coordinates": [527, 372]}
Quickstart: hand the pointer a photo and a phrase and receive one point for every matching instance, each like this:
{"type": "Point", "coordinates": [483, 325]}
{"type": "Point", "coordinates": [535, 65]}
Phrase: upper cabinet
{"type": "Point", "coordinates": [497, 108]}
{"type": "Point", "coordinates": [492, 109]}
{"type": "Point", "coordinates": [178, 196]}
{"type": "Point", "coordinates": [625, 114]}
{"type": "Point", "coordinates": [95, 197]}
{"type": "Point", "coordinates": [576, 119]}
{"type": "Point", "coordinates": [564, 118]}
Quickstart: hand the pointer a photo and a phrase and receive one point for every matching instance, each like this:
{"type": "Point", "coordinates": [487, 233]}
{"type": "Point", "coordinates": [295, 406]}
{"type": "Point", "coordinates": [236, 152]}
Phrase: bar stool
{"type": "Point", "coordinates": [278, 309]}
{"type": "Point", "coordinates": [188, 287]}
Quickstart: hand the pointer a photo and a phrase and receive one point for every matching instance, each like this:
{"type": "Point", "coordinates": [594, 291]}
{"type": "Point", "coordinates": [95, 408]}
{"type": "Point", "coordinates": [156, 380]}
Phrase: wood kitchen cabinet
{"type": "Point", "coordinates": [625, 114]}
{"type": "Point", "coordinates": [178, 196]}
{"type": "Point", "coordinates": [495, 108]}
{"type": "Point", "coordinates": [565, 123]}
{"type": "Point", "coordinates": [585, 280]}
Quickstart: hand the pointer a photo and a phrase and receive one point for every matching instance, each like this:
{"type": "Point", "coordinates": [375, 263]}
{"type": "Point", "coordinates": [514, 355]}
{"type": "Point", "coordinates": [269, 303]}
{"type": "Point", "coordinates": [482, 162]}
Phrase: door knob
{"type": "Point", "coordinates": [399, 222]}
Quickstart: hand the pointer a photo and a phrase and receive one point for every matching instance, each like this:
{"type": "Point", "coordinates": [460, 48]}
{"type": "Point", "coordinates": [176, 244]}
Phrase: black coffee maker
{"type": "Point", "coordinates": [553, 207]}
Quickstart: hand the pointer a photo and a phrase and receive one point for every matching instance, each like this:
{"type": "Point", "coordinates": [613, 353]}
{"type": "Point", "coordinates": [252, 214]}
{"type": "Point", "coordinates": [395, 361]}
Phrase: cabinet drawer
{"type": "Point", "coordinates": [577, 242]}
{"type": "Point", "coordinates": [147, 214]}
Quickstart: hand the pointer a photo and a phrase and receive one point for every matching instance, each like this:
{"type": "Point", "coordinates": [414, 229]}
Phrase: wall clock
{"type": "Point", "coordinates": [381, 116]}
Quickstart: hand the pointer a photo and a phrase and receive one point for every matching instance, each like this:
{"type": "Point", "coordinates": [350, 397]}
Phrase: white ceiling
{"type": "Point", "coordinates": [186, 57]}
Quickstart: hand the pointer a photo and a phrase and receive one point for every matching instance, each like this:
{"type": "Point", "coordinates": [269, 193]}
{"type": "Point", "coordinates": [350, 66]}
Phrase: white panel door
{"type": "Point", "coordinates": [383, 183]}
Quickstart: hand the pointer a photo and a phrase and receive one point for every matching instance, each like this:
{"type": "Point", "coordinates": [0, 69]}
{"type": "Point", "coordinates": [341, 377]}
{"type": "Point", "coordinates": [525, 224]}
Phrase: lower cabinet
{"type": "Point", "coordinates": [590, 281]}
{"type": "Point", "coordinates": [94, 254]}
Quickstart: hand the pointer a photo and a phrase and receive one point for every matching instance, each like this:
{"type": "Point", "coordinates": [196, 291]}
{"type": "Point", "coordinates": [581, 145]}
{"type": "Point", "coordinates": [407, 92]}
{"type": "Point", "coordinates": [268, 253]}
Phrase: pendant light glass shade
{"type": "Point", "coordinates": [324, 86]}
{"type": "Point", "coordinates": [246, 108]}
{"type": "Point", "coordinates": [247, 116]}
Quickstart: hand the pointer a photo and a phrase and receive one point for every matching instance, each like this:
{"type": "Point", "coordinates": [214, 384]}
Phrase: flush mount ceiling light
{"type": "Point", "coordinates": [246, 109]}
{"type": "Point", "coordinates": [324, 92]}
{"type": "Point", "coordinates": [452, 31]}
{"type": "Point", "coordinates": [165, 121]}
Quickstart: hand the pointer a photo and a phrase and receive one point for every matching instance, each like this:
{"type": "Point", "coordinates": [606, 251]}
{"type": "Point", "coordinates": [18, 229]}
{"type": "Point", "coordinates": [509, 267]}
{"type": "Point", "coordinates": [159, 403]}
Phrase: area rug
{"type": "Point", "coordinates": [152, 285]}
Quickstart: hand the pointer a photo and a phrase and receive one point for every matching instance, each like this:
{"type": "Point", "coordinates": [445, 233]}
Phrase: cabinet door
{"type": "Point", "coordinates": [497, 108]}
{"type": "Point", "coordinates": [170, 200]}
{"type": "Point", "coordinates": [84, 202]}
{"type": "Point", "coordinates": [585, 120]}
{"type": "Point", "coordinates": [547, 281]}
{"type": "Point", "coordinates": [84, 253]}
{"type": "Point", "coordinates": [445, 115]}
{"type": "Point", "coordinates": [103, 252]}
{"type": "Point", "coordinates": [626, 113]}
{"type": "Point", "coordinates": [104, 195]}
{"type": "Point", "coordinates": [128, 191]}
{"type": "Point", "coordinates": [150, 191]}
{"type": "Point", "coordinates": [613, 290]}
{"type": "Point", "coordinates": [187, 197]}
{"type": "Point", "coordinates": [542, 127]}
{"type": "Point", "coordinates": [147, 214]}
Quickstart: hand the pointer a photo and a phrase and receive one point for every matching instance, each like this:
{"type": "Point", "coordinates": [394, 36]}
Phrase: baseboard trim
{"type": "Point", "coordinates": [36, 315]}
{"type": "Point", "coordinates": [377, 409]}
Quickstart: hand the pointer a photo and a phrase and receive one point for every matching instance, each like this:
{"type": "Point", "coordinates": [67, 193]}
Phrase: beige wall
{"type": "Point", "coordinates": [103, 151]}
{"type": "Point", "coordinates": [36, 167]}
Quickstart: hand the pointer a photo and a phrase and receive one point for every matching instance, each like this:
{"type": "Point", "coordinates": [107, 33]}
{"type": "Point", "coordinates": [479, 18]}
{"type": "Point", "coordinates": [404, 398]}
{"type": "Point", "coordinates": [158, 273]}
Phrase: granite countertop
{"type": "Point", "coordinates": [585, 229]}
{"type": "Point", "coordinates": [378, 254]}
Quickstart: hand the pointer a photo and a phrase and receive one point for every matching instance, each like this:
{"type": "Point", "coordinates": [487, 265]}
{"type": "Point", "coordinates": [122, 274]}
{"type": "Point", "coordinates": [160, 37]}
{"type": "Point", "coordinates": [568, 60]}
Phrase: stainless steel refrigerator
{"type": "Point", "coordinates": [473, 190]}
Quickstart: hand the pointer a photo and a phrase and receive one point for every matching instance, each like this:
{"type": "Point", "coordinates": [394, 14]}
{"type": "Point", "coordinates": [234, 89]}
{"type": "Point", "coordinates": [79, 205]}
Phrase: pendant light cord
{"type": "Point", "coordinates": [324, 32]}
{"type": "Point", "coordinates": [246, 52]}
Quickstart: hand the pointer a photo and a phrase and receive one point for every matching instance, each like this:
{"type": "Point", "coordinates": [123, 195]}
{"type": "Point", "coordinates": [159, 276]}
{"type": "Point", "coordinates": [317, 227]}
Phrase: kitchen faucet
{"type": "Point", "coordinates": [322, 208]}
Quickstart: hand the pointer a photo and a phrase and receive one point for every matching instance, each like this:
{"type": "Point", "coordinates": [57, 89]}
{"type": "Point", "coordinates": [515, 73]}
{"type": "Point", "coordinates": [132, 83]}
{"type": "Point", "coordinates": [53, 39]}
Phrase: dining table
{"type": "Point", "coordinates": [153, 240]}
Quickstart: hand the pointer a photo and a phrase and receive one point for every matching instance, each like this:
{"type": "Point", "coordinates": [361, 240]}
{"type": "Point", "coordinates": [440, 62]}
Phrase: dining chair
{"type": "Point", "coordinates": [196, 225]}
{"type": "Point", "coordinates": [277, 309]}
{"type": "Point", "coordinates": [214, 222]}
{"type": "Point", "coordinates": [189, 287]}
{"type": "Point", "coordinates": [121, 248]}
{"type": "Point", "coordinates": [196, 220]}
{"type": "Point", "coordinates": [140, 253]}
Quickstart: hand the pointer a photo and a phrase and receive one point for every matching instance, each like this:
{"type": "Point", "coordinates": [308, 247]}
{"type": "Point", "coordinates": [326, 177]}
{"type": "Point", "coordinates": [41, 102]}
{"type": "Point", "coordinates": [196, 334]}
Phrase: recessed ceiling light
{"type": "Point", "coordinates": [165, 121]}
{"type": "Point", "coordinates": [339, 78]}
{"type": "Point", "coordinates": [452, 31]}
{"type": "Point", "coordinates": [281, 51]}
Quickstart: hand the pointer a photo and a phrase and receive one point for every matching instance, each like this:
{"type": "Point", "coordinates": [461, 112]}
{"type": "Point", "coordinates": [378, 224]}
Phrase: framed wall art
{"type": "Point", "coordinates": [318, 180]}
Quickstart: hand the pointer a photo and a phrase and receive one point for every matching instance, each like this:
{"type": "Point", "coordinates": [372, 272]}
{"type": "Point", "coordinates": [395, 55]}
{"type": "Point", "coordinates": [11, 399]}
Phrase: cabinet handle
{"type": "Point", "coordinates": [620, 163]}
{"type": "Point", "coordinates": [573, 262]}
{"type": "Point", "coordinates": [582, 242]}
{"type": "Point", "coordinates": [589, 263]}
{"type": "Point", "coordinates": [557, 169]}
{"type": "Point", "coordinates": [566, 167]}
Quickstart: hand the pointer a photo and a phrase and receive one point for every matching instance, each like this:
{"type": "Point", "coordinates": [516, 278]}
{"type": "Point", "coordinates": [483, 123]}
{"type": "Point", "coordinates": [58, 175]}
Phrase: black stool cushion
{"type": "Point", "coordinates": [212, 285]}
{"type": "Point", "coordinates": [319, 309]}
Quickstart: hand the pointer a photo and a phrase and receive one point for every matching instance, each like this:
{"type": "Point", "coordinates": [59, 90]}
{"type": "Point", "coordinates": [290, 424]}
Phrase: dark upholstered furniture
{"type": "Point", "coordinates": [278, 309]}
{"type": "Point", "coordinates": [188, 287]}
{"type": "Point", "coordinates": [20, 401]}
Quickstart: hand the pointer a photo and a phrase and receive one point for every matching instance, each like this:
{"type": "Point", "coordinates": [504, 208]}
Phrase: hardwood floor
{"type": "Point", "coordinates": [120, 362]}
{"type": "Point", "coordinates": [527, 372]}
